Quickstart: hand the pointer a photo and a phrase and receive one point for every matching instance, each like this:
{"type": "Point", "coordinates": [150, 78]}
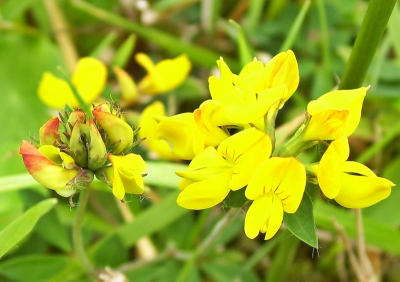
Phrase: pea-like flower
{"type": "Point", "coordinates": [276, 187]}
{"type": "Point", "coordinates": [213, 173]}
{"type": "Point", "coordinates": [88, 78]}
{"type": "Point", "coordinates": [351, 184]}
{"type": "Point", "coordinates": [163, 76]}
{"type": "Point", "coordinates": [125, 174]}
{"type": "Point", "coordinates": [334, 113]}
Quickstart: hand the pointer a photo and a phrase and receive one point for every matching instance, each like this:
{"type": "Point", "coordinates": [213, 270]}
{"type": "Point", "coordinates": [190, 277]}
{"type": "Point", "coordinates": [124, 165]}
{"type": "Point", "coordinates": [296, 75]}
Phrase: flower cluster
{"type": "Point", "coordinates": [67, 157]}
{"type": "Point", "coordinates": [230, 140]}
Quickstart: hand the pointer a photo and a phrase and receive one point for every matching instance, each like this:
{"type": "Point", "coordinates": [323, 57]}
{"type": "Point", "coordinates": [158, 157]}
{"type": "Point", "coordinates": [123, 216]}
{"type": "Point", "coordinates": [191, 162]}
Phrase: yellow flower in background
{"type": "Point", "coordinates": [88, 78]}
{"type": "Point", "coordinates": [181, 133]}
{"type": "Point", "coordinates": [213, 173]}
{"type": "Point", "coordinates": [276, 186]}
{"type": "Point", "coordinates": [334, 113]}
{"type": "Point", "coordinates": [129, 91]}
{"type": "Point", "coordinates": [147, 130]}
{"type": "Point", "coordinates": [125, 175]}
{"type": "Point", "coordinates": [163, 76]}
{"type": "Point", "coordinates": [351, 184]}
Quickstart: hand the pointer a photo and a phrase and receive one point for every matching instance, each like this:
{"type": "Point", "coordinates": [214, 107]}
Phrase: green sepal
{"type": "Point", "coordinates": [77, 146]}
{"type": "Point", "coordinates": [97, 149]}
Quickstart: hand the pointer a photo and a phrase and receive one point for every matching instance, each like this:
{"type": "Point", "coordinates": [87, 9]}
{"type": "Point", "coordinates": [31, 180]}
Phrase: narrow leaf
{"type": "Point", "coordinates": [124, 52]}
{"type": "Point", "coordinates": [301, 223]}
{"type": "Point", "coordinates": [24, 224]}
{"type": "Point", "coordinates": [246, 54]}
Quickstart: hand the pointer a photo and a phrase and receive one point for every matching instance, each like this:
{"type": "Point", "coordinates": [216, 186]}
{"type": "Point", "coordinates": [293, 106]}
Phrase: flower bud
{"type": "Point", "coordinates": [48, 133]}
{"type": "Point", "coordinates": [119, 133]}
{"type": "Point", "coordinates": [77, 146]}
{"type": "Point", "coordinates": [97, 148]}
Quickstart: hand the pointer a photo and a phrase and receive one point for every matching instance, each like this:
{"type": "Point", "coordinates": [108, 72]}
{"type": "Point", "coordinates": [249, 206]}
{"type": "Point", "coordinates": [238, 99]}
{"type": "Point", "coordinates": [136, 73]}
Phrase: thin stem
{"type": "Point", "coordinates": [361, 248]}
{"type": "Point", "coordinates": [372, 28]}
{"type": "Point", "coordinates": [77, 232]}
{"type": "Point", "coordinates": [219, 228]}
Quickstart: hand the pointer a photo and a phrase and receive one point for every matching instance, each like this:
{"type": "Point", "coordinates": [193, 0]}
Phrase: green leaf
{"type": "Point", "coordinates": [124, 52]}
{"type": "Point", "coordinates": [16, 182]}
{"type": "Point", "coordinates": [246, 53]}
{"type": "Point", "coordinates": [41, 268]}
{"type": "Point", "coordinates": [301, 223]}
{"type": "Point", "coordinates": [235, 199]}
{"type": "Point", "coordinates": [105, 43]}
{"type": "Point", "coordinates": [24, 224]}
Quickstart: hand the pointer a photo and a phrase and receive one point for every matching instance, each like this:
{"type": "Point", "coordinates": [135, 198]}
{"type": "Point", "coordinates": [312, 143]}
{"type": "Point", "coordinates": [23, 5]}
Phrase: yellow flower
{"type": "Point", "coordinates": [182, 134]}
{"type": "Point", "coordinates": [334, 113]}
{"type": "Point", "coordinates": [276, 186]}
{"type": "Point", "coordinates": [147, 130]}
{"type": "Point", "coordinates": [163, 76]}
{"type": "Point", "coordinates": [89, 79]}
{"type": "Point", "coordinates": [125, 175]}
{"type": "Point", "coordinates": [351, 184]}
{"type": "Point", "coordinates": [213, 173]}
{"type": "Point", "coordinates": [247, 97]}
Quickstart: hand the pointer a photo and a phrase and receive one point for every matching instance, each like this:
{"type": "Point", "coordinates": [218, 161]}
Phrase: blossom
{"type": "Point", "coordinates": [334, 113]}
{"type": "Point", "coordinates": [125, 175]}
{"type": "Point", "coordinates": [181, 133]}
{"type": "Point", "coordinates": [129, 91]}
{"type": "Point", "coordinates": [163, 76]}
{"type": "Point", "coordinates": [147, 130]}
{"type": "Point", "coordinates": [54, 169]}
{"type": "Point", "coordinates": [247, 97]}
{"type": "Point", "coordinates": [277, 186]}
{"type": "Point", "coordinates": [351, 184]}
{"type": "Point", "coordinates": [213, 173]}
{"type": "Point", "coordinates": [88, 78]}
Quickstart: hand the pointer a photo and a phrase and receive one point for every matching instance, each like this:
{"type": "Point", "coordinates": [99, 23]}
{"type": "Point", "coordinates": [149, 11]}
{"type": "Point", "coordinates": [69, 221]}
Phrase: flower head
{"type": "Point", "coordinates": [351, 184]}
{"type": "Point", "coordinates": [334, 113]}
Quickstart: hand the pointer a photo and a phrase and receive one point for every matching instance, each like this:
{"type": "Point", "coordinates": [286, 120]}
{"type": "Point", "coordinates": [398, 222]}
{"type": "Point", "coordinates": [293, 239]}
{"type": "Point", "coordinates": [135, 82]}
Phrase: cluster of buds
{"type": "Point", "coordinates": [69, 156]}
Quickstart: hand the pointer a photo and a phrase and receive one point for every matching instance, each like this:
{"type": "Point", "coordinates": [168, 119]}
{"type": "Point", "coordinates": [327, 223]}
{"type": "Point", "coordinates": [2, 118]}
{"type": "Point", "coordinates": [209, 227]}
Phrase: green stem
{"type": "Point", "coordinates": [294, 30]}
{"type": "Point", "coordinates": [372, 28]}
{"type": "Point", "coordinates": [77, 232]}
{"type": "Point", "coordinates": [219, 228]}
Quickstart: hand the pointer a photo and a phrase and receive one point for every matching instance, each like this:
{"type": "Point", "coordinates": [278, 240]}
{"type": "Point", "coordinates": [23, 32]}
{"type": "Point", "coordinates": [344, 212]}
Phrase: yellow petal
{"type": "Point", "coordinates": [224, 92]}
{"type": "Point", "coordinates": [257, 215]}
{"type": "Point", "coordinates": [340, 100]}
{"type": "Point", "coordinates": [205, 194]}
{"type": "Point", "coordinates": [326, 125]}
{"type": "Point", "coordinates": [128, 86]}
{"type": "Point", "coordinates": [275, 219]}
{"type": "Point", "coordinates": [207, 164]}
{"type": "Point", "coordinates": [182, 133]}
{"type": "Point", "coordinates": [89, 78]}
{"type": "Point", "coordinates": [55, 92]}
{"type": "Point", "coordinates": [246, 150]}
{"type": "Point", "coordinates": [164, 76]}
{"type": "Point", "coordinates": [147, 130]}
{"type": "Point", "coordinates": [362, 191]}
{"type": "Point", "coordinates": [127, 176]}
{"type": "Point", "coordinates": [282, 70]}
{"type": "Point", "coordinates": [213, 135]}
